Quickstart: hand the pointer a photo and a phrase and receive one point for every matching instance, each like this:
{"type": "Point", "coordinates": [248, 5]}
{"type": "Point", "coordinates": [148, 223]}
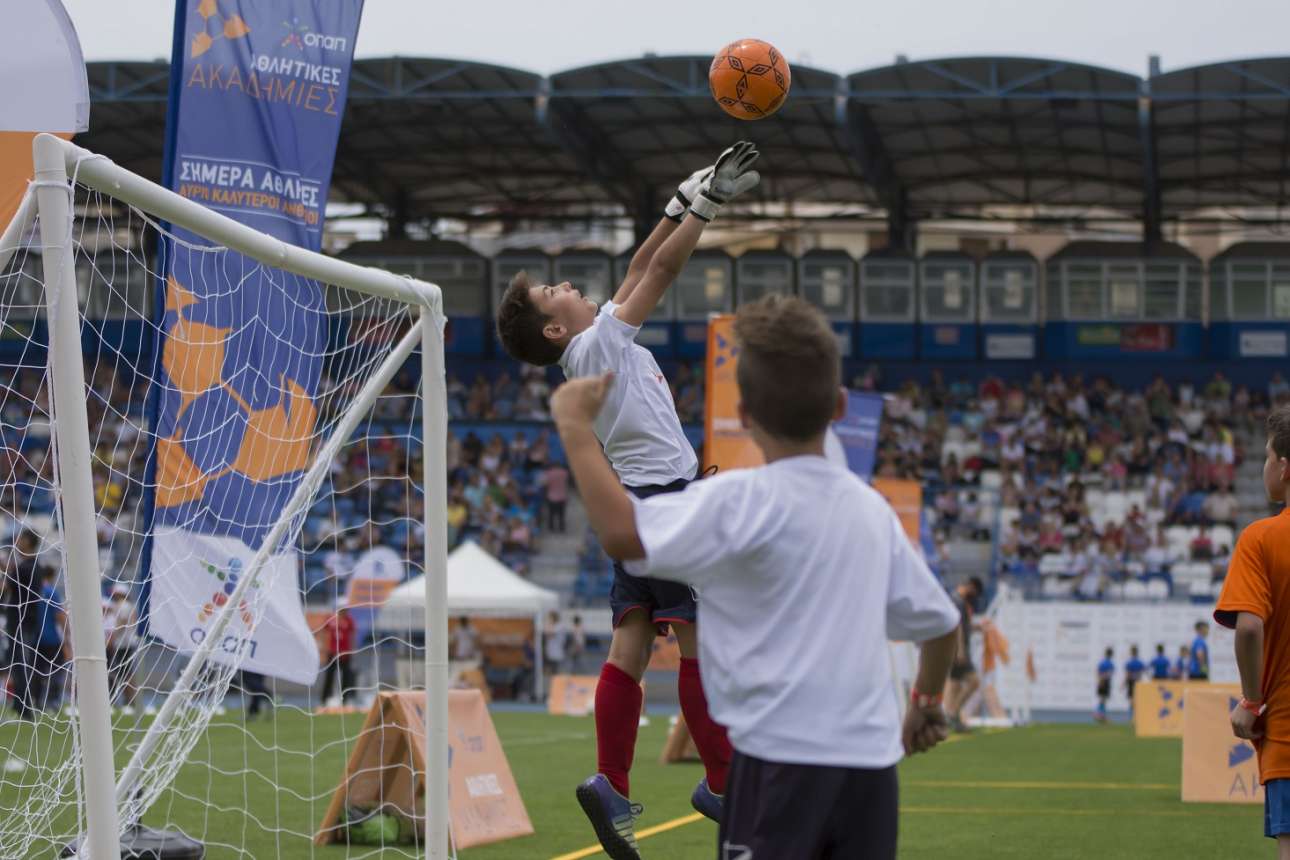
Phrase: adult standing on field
{"type": "Point", "coordinates": [338, 636]}
{"type": "Point", "coordinates": [964, 680]}
{"type": "Point", "coordinates": [1256, 602]}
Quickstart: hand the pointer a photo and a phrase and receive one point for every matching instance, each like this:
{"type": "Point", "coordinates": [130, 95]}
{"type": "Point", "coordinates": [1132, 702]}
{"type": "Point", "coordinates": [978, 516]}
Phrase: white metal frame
{"type": "Point", "coordinates": [56, 160]}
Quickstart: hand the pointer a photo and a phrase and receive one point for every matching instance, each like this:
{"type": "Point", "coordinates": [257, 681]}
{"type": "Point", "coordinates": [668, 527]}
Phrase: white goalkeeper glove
{"type": "Point", "coordinates": [686, 192]}
{"type": "Point", "coordinates": [732, 175]}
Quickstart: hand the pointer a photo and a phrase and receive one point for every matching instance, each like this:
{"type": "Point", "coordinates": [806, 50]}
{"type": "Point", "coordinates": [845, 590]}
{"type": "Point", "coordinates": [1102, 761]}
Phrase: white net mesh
{"type": "Point", "coordinates": [222, 429]}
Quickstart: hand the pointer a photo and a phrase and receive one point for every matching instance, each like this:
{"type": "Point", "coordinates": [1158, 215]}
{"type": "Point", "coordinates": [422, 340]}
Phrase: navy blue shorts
{"type": "Point", "coordinates": [1276, 808]}
{"type": "Point", "coordinates": [666, 602]}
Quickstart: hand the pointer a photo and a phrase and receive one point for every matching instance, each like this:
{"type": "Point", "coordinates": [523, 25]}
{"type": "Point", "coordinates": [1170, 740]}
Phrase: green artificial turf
{"type": "Point", "coordinates": [1051, 791]}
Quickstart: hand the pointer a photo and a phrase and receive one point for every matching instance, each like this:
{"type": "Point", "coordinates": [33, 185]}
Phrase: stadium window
{"type": "Point", "coordinates": [1125, 291]}
{"type": "Point", "coordinates": [703, 292]}
{"type": "Point", "coordinates": [1013, 297]}
{"type": "Point", "coordinates": [1083, 291]}
{"type": "Point", "coordinates": [460, 281]}
{"type": "Point", "coordinates": [825, 286]}
{"type": "Point", "coordinates": [1005, 297]}
{"type": "Point", "coordinates": [758, 279]}
{"type": "Point", "coordinates": [1281, 301]}
{"type": "Point", "coordinates": [945, 296]}
{"type": "Point", "coordinates": [887, 292]}
{"type": "Point", "coordinates": [1162, 292]}
{"type": "Point", "coordinates": [714, 287]}
{"type": "Point", "coordinates": [1249, 288]}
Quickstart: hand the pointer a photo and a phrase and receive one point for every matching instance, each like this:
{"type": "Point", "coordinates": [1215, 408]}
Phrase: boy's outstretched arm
{"type": "Point", "coordinates": [673, 215]}
{"type": "Point", "coordinates": [732, 175]}
{"type": "Point", "coordinates": [640, 260]}
{"type": "Point", "coordinates": [574, 407]}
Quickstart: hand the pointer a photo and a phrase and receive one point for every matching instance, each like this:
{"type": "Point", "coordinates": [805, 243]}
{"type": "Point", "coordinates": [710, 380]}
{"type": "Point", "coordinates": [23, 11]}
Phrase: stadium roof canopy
{"type": "Point", "coordinates": [1222, 134]}
{"type": "Point", "coordinates": [425, 138]}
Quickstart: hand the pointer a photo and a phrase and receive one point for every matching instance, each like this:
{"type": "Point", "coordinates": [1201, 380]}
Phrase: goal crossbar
{"type": "Point", "coordinates": [102, 174]}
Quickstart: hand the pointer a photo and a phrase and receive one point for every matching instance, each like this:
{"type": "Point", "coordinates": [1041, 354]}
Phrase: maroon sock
{"type": "Point", "coordinates": [618, 714]}
{"type": "Point", "coordinates": [709, 738]}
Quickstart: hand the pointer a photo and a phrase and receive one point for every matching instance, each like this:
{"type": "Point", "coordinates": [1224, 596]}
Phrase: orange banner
{"type": "Point", "coordinates": [665, 654]}
{"type": "Point", "coordinates": [369, 592]}
{"type": "Point", "coordinates": [1217, 767]}
{"type": "Point", "coordinates": [1158, 706]}
{"type": "Point", "coordinates": [16, 170]}
{"type": "Point", "coordinates": [726, 444]}
{"type": "Point", "coordinates": [575, 695]}
{"type": "Point", "coordinates": [572, 695]}
{"type": "Point", "coordinates": [387, 769]}
{"type": "Point", "coordinates": [906, 498]}
{"type": "Point", "coordinates": [679, 745]}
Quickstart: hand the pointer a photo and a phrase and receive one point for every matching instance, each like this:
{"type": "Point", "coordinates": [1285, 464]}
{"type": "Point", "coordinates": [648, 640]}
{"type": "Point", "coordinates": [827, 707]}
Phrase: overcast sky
{"type": "Point", "coordinates": [837, 35]}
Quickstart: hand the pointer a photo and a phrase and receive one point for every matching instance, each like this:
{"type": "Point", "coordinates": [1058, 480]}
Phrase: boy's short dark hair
{"type": "Point", "coordinates": [520, 324]}
{"type": "Point", "coordinates": [1279, 430]}
{"type": "Point", "coordinates": [789, 367]}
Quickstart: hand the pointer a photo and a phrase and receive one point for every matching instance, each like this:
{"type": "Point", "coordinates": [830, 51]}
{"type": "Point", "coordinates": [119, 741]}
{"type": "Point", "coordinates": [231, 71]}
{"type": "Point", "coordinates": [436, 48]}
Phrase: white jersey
{"type": "Point", "coordinates": [805, 574]}
{"type": "Point", "coordinates": [637, 426]}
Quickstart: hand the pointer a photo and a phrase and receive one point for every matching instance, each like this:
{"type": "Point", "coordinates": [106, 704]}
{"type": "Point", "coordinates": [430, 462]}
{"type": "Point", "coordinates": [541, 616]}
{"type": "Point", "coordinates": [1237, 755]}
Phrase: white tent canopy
{"type": "Point", "coordinates": [38, 46]}
{"type": "Point", "coordinates": [478, 584]}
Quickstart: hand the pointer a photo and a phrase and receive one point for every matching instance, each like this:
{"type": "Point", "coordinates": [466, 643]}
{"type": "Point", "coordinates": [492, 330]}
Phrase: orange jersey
{"type": "Point", "coordinates": [1258, 582]}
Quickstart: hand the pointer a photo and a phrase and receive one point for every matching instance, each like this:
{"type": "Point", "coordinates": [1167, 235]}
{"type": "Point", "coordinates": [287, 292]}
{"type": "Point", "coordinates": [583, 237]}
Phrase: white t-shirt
{"type": "Point", "coordinates": [638, 425]}
{"type": "Point", "coordinates": [118, 628]}
{"type": "Point", "coordinates": [804, 574]}
{"type": "Point", "coordinates": [557, 637]}
{"type": "Point", "coordinates": [833, 450]}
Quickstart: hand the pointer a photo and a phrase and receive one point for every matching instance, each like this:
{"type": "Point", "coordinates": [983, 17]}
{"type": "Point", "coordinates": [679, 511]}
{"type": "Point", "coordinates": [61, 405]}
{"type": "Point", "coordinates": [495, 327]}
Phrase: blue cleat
{"type": "Point", "coordinates": [707, 801]}
{"type": "Point", "coordinates": [613, 817]}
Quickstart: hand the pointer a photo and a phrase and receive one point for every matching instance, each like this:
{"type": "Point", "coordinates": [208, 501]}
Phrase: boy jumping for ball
{"type": "Point", "coordinates": [642, 437]}
{"type": "Point", "coordinates": [805, 573]}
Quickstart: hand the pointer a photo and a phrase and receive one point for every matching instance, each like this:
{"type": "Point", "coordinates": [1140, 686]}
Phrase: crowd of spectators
{"type": "Point", "coordinates": [521, 394]}
{"type": "Point", "coordinates": [1098, 477]}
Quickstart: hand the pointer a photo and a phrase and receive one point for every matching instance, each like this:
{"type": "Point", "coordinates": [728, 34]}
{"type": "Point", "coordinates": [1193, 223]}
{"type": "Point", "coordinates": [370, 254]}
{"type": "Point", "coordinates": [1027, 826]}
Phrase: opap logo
{"type": "Point", "coordinates": [226, 579]}
{"type": "Point", "coordinates": [301, 36]}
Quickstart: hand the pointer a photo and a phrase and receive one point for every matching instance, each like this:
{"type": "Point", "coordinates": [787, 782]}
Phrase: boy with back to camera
{"type": "Point", "coordinates": [1255, 602]}
{"type": "Point", "coordinates": [805, 573]}
{"type": "Point", "coordinates": [642, 437]}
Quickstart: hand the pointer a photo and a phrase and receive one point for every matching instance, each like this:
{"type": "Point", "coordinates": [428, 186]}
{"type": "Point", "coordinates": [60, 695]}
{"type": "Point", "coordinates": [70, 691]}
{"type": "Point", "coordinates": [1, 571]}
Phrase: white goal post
{"type": "Point", "coordinates": [111, 804]}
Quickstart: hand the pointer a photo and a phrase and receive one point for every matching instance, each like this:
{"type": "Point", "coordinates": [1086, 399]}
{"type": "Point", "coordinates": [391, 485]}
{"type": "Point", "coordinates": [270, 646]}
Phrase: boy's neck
{"type": "Point", "coordinates": [774, 448]}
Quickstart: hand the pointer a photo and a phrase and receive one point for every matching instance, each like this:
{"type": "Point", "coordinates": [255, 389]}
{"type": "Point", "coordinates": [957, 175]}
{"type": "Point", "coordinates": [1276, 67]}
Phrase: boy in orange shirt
{"type": "Point", "coordinates": [1256, 602]}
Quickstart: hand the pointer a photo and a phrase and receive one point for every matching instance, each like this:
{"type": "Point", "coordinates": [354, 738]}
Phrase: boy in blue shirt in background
{"type": "Point", "coordinates": [1198, 658]}
{"type": "Point", "coordinates": [1133, 669]}
{"type": "Point", "coordinates": [1179, 670]}
{"type": "Point", "coordinates": [1105, 671]}
{"type": "Point", "coordinates": [1160, 665]}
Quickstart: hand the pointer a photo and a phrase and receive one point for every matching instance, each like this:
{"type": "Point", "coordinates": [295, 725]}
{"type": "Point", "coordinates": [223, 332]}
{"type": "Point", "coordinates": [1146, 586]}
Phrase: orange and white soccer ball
{"type": "Point", "coordinates": [749, 79]}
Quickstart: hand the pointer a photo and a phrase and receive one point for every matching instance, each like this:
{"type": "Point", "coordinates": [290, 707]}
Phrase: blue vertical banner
{"type": "Point", "coordinates": [858, 431]}
{"type": "Point", "coordinates": [258, 92]}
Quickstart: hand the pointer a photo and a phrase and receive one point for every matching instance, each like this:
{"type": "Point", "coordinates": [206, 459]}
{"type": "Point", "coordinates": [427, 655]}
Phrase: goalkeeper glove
{"type": "Point", "coordinates": [686, 192]}
{"type": "Point", "coordinates": [732, 175]}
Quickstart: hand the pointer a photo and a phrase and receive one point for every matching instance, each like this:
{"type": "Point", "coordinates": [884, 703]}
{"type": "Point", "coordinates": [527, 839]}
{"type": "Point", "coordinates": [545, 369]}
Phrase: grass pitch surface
{"type": "Point", "coordinates": [1053, 791]}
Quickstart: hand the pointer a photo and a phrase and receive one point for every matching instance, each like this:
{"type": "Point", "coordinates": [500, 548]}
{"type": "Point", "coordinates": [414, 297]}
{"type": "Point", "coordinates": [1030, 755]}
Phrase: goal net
{"type": "Point", "coordinates": [209, 441]}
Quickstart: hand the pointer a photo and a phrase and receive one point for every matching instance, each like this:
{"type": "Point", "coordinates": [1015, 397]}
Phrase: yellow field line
{"type": "Point", "coordinates": [644, 834]}
{"type": "Point", "coordinates": [1093, 786]}
{"type": "Point", "coordinates": [1087, 813]}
